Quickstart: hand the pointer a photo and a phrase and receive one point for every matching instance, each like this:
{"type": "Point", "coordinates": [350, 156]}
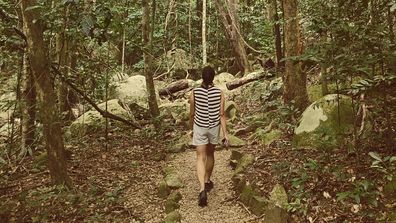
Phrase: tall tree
{"type": "Point", "coordinates": [274, 18]}
{"type": "Point", "coordinates": [148, 60]}
{"type": "Point", "coordinates": [295, 81]}
{"type": "Point", "coordinates": [229, 17]}
{"type": "Point", "coordinates": [49, 114]}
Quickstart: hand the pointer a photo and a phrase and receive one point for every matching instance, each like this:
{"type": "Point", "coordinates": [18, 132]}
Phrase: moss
{"type": "Point", "coordinates": [163, 190]}
{"type": "Point", "coordinates": [331, 130]}
{"type": "Point", "coordinates": [175, 196]}
{"type": "Point", "coordinates": [244, 162]}
{"type": "Point", "coordinates": [271, 136]}
{"type": "Point", "coordinates": [258, 205]}
{"type": "Point", "coordinates": [173, 217]}
{"type": "Point", "coordinates": [171, 206]}
{"type": "Point", "coordinates": [247, 194]}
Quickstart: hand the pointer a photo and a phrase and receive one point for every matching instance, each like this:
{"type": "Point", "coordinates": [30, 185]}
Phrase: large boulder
{"type": "Point", "coordinates": [178, 110]}
{"type": "Point", "coordinates": [222, 79]}
{"type": "Point", "coordinates": [325, 123]}
{"type": "Point", "coordinates": [93, 120]}
{"type": "Point", "coordinates": [133, 91]}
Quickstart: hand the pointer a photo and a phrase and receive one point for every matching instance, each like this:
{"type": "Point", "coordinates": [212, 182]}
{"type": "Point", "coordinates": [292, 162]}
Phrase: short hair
{"type": "Point", "coordinates": [208, 74]}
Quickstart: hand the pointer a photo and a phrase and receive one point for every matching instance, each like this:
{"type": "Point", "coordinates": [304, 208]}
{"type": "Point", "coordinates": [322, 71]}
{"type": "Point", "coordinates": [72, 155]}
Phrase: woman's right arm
{"type": "Point", "coordinates": [192, 109]}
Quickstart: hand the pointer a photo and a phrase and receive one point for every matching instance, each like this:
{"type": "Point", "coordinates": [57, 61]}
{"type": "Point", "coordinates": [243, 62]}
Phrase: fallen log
{"type": "Point", "coordinates": [174, 87]}
{"type": "Point", "coordinates": [257, 75]}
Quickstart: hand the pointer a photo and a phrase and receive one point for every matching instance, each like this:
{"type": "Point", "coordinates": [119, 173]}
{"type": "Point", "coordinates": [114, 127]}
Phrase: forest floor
{"type": "Point", "coordinates": [222, 203]}
{"type": "Point", "coordinates": [118, 183]}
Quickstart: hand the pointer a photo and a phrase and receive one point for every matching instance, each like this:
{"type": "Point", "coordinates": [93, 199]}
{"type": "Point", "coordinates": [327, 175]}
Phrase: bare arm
{"type": "Point", "coordinates": [223, 119]}
{"type": "Point", "coordinates": [192, 109]}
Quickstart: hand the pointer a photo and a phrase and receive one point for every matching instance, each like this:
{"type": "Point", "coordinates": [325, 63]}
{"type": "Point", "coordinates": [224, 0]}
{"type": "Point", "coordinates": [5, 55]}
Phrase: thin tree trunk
{"type": "Point", "coordinates": [28, 108]}
{"type": "Point", "coordinates": [49, 114]}
{"type": "Point", "coordinates": [204, 55]}
{"type": "Point", "coordinates": [152, 98]}
{"type": "Point", "coordinates": [295, 89]}
{"type": "Point", "coordinates": [278, 37]}
{"type": "Point", "coordinates": [230, 22]}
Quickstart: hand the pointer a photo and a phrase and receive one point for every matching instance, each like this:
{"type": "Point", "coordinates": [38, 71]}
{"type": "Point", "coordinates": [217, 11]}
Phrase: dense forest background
{"type": "Point", "coordinates": [93, 107]}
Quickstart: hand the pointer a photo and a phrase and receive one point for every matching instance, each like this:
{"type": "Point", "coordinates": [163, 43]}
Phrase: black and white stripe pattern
{"type": "Point", "coordinates": [207, 107]}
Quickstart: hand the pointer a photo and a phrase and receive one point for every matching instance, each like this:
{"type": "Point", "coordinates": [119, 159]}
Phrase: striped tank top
{"type": "Point", "coordinates": [207, 107]}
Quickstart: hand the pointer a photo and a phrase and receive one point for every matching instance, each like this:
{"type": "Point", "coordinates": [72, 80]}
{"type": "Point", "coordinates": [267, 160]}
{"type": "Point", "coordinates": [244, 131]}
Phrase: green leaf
{"type": "Point", "coordinates": [375, 156]}
{"type": "Point", "coordinates": [2, 161]}
{"type": "Point", "coordinates": [392, 159]}
{"type": "Point", "coordinates": [33, 7]}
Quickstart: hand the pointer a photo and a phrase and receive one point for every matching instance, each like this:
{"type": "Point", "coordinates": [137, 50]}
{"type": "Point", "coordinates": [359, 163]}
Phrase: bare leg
{"type": "Point", "coordinates": [209, 161]}
{"type": "Point", "coordinates": [201, 159]}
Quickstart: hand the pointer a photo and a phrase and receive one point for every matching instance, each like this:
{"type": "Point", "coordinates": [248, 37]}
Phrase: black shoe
{"type": "Point", "coordinates": [209, 186]}
{"type": "Point", "coordinates": [202, 199]}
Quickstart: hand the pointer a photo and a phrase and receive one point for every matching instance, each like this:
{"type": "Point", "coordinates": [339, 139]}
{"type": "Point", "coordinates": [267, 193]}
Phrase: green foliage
{"type": "Point", "coordinates": [386, 165]}
{"type": "Point", "coordinates": [363, 189]}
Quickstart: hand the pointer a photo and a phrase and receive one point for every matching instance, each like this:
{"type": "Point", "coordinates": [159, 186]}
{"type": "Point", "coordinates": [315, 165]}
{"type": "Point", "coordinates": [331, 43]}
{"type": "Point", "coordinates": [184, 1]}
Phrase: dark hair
{"type": "Point", "coordinates": [208, 74]}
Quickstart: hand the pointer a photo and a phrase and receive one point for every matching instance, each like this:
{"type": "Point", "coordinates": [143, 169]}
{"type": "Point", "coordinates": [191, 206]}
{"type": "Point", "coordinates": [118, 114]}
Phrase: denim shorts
{"type": "Point", "coordinates": [203, 136]}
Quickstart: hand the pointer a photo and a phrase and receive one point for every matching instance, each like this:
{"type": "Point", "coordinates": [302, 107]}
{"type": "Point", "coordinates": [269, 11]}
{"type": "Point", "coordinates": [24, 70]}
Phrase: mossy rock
{"type": "Point", "coordinates": [40, 161]}
{"type": "Point", "coordinates": [235, 141]}
{"type": "Point", "coordinates": [171, 206]}
{"type": "Point", "coordinates": [278, 196]}
{"type": "Point", "coordinates": [247, 194]}
{"type": "Point", "coordinates": [174, 181]}
{"type": "Point", "coordinates": [271, 136]}
{"type": "Point", "coordinates": [275, 214]}
{"type": "Point", "coordinates": [258, 205]}
{"type": "Point", "coordinates": [163, 190]}
{"type": "Point", "coordinates": [324, 124]}
{"type": "Point", "coordinates": [181, 144]}
{"type": "Point", "coordinates": [234, 158]}
{"type": "Point", "coordinates": [230, 110]}
{"type": "Point", "coordinates": [239, 182]}
{"type": "Point", "coordinates": [179, 110]}
{"type": "Point", "coordinates": [175, 196]}
{"type": "Point", "coordinates": [173, 217]}
{"type": "Point", "coordinates": [244, 162]}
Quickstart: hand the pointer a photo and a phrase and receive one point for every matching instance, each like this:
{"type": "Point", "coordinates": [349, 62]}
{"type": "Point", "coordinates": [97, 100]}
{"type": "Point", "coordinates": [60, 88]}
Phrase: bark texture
{"type": "Point", "coordinates": [148, 61]}
{"type": "Point", "coordinates": [229, 18]}
{"type": "Point", "coordinates": [49, 114]}
{"type": "Point", "coordinates": [295, 86]}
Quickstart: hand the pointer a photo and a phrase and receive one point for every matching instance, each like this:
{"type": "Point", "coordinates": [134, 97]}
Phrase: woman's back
{"type": "Point", "coordinates": [207, 106]}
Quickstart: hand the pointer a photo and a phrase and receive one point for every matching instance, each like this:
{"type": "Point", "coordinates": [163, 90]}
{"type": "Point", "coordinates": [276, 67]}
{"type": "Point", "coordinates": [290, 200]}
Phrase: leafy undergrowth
{"type": "Point", "coordinates": [116, 184]}
{"type": "Point", "coordinates": [323, 185]}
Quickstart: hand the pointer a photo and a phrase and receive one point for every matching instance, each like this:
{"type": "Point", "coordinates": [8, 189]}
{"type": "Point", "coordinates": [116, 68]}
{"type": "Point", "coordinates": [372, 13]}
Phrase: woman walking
{"type": "Point", "coordinates": [206, 116]}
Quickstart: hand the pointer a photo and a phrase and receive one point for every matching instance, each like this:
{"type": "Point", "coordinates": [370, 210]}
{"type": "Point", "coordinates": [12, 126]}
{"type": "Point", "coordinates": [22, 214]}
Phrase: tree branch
{"type": "Point", "coordinates": [104, 113]}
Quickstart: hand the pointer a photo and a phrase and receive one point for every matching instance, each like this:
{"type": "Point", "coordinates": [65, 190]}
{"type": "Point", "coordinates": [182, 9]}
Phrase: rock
{"type": "Point", "coordinates": [92, 120]}
{"type": "Point", "coordinates": [171, 206]}
{"type": "Point", "coordinates": [173, 217]}
{"type": "Point", "coordinates": [175, 196]}
{"type": "Point", "coordinates": [234, 158]}
{"type": "Point", "coordinates": [247, 194]}
{"type": "Point", "coordinates": [178, 110]}
{"type": "Point", "coordinates": [181, 145]}
{"type": "Point", "coordinates": [173, 181]}
{"type": "Point", "coordinates": [230, 110]}
{"type": "Point", "coordinates": [258, 205]}
{"type": "Point", "coordinates": [235, 141]}
{"type": "Point", "coordinates": [275, 214]}
{"type": "Point", "coordinates": [239, 182]}
{"type": "Point", "coordinates": [163, 190]}
{"type": "Point", "coordinates": [133, 91]}
{"type": "Point", "coordinates": [278, 196]}
{"type": "Point", "coordinates": [221, 80]}
{"type": "Point", "coordinates": [270, 137]}
{"type": "Point", "coordinates": [320, 125]}
{"type": "Point", "coordinates": [245, 161]}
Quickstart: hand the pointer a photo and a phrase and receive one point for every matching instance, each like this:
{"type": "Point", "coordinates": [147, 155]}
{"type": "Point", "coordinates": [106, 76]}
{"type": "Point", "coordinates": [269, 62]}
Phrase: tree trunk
{"type": "Point", "coordinates": [174, 87]}
{"type": "Point", "coordinates": [62, 57]}
{"type": "Point", "coordinates": [295, 89]}
{"type": "Point", "coordinates": [229, 18]}
{"type": "Point", "coordinates": [274, 18]}
{"type": "Point", "coordinates": [28, 108]}
{"type": "Point", "coordinates": [148, 61]}
{"type": "Point", "coordinates": [204, 55]}
{"type": "Point", "coordinates": [49, 114]}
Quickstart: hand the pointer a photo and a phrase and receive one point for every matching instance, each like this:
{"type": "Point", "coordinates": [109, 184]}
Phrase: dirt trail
{"type": "Point", "coordinates": [220, 207]}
